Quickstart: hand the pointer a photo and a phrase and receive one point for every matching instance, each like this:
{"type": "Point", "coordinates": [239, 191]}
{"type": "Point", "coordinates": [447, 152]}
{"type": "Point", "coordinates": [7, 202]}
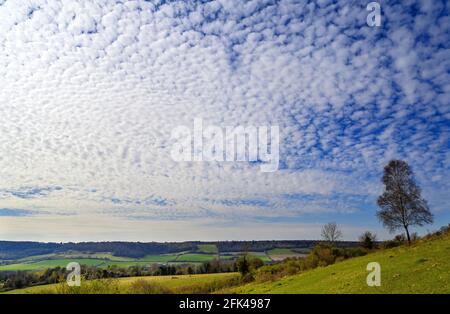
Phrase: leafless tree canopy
{"type": "Point", "coordinates": [401, 202]}
{"type": "Point", "coordinates": [331, 232]}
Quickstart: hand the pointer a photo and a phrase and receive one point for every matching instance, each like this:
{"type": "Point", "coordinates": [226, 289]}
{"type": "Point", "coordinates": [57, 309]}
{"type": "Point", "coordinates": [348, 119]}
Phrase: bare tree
{"type": "Point", "coordinates": [401, 203]}
{"type": "Point", "coordinates": [331, 232]}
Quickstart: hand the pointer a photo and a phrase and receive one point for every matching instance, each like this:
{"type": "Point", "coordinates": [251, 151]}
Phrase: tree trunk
{"type": "Point", "coordinates": [407, 235]}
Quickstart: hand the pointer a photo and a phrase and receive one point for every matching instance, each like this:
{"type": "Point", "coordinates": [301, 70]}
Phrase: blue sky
{"type": "Point", "coordinates": [91, 91]}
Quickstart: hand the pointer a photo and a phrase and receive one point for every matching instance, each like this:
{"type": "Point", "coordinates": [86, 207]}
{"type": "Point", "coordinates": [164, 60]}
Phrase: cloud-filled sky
{"type": "Point", "coordinates": [90, 92]}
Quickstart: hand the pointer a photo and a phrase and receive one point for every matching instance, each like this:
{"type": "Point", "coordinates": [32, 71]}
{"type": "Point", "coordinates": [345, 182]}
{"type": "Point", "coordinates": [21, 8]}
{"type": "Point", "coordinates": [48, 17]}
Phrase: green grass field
{"type": "Point", "coordinates": [422, 268]}
{"type": "Point", "coordinates": [233, 255]}
{"type": "Point", "coordinates": [262, 256]}
{"type": "Point", "coordinates": [183, 283]}
{"type": "Point", "coordinates": [50, 263]}
{"type": "Point", "coordinates": [207, 248]}
{"type": "Point", "coordinates": [192, 257]}
{"type": "Point", "coordinates": [105, 256]}
{"type": "Point", "coordinates": [280, 251]}
{"type": "Point", "coordinates": [280, 254]}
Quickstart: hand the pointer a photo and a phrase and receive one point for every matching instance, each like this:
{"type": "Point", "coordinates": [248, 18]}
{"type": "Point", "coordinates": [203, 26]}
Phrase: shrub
{"type": "Point", "coordinates": [142, 286]}
{"type": "Point", "coordinates": [368, 240]}
{"type": "Point", "coordinates": [243, 265]}
{"type": "Point", "coordinates": [389, 244]}
{"type": "Point", "coordinates": [396, 241]}
{"type": "Point", "coordinates": [209, 287]}
{"type": "Point", "coordinates": [103, 286]}
{"type": "Point", "coordinates": [324, 254]}
{"type": "Point", "coordinates": [247, 278]}
{"type": "Point", "coordinates": [255, 263]}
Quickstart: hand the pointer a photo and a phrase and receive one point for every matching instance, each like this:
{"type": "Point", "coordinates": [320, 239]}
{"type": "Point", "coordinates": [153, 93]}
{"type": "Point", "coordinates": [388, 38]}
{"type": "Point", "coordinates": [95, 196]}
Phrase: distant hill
{"type": "Point", "coordinates": [12, 250]}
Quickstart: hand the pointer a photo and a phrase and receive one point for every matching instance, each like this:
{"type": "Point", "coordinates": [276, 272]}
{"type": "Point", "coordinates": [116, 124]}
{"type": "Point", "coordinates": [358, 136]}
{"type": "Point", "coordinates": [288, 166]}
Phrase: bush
{"type": "Point", "coordinates": [368, 240]}
{"type": "Point", "coordinates": [324, 254]}
{"type": "Point", "coordinates": [247, 278]}
{"type": "Point", "coordinates": [350, 252]}
{"type": "Point", "coordinates": [209, 287]}
{"type": "Point", "coordinates": [243, 265]}
{"type": "Point", "coordinates": [255, 263]}
{"type": "Point", "coordinates": [103, 286]}
{"type": "Point", "coordinates": [142, 286]}
{"type": "Point", "coordinates": [445, 230]}
{"type": "Point", "coordinates": [398, 240]}
{"type": "Point", "coordinates": [290, 266]}
{"type": "Point", "coordinates": [414, 237]}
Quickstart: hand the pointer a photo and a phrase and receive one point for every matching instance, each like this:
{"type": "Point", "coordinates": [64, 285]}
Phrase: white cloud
{"type": "Point", "coordinates": [90, 92]}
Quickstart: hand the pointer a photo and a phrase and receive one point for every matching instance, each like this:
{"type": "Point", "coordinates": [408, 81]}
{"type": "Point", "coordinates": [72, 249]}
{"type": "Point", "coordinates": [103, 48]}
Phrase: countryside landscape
{"type": "Point", "coordinates": [203, 149]}
{"type": "Point", "coordinates": [288, 267]}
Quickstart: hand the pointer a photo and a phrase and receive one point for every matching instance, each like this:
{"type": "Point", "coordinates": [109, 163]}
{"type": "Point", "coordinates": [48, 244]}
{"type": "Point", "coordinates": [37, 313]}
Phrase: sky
{"type": "Point", "coordinates": [90, 92]}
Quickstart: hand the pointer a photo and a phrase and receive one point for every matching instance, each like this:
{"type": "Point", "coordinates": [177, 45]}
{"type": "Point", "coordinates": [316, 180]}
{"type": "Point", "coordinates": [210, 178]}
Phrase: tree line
{"type": "Point", "coordinates": [12, 250]}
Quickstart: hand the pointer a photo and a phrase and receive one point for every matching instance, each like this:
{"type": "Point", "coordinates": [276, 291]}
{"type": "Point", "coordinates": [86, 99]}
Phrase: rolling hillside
{"type": "Point", "coordinates": [198, 254]}
{"type": "Point", "coordinates": [422, 268]}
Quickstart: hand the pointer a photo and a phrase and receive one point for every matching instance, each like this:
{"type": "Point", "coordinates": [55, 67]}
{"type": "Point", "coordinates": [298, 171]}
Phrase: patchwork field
{"type": "Point", "coordinates": [280, 254]}
{"type": "Point", "coordinates": [203, 253]}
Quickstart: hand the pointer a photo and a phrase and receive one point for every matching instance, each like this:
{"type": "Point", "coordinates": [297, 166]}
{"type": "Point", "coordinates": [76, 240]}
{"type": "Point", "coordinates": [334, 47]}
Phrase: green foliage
{"type": "Point", "coordinates": [401, 204]}
{"type": "Point", "coordinates": [396, 241]}
{"type": "Point", "coordinates": [255, 263]}
{"type": "Point", "coordinates": [243, 265]}
{"type": "Point", "coordinates": [368, 240]}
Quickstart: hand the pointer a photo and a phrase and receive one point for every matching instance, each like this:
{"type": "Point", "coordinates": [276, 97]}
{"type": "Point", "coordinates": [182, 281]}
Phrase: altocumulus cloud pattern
{"type": "Point", "coordinates": [90, 91]}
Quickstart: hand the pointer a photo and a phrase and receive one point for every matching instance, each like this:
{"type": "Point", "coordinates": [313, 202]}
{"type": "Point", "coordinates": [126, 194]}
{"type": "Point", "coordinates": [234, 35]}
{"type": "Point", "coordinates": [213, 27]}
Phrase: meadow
{"type": "Point", "coordinates": [204, 283]}
{"type": "Point", "coordinates": [423, 267]}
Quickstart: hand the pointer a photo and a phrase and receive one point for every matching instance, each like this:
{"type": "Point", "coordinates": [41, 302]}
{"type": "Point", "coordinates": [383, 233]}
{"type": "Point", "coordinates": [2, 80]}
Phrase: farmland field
{"type": "Point", "coordinates": [191, 257]}
{"type": "Point", "coordinates": [207, 248]}
{"type": "Point", "coordinates": [203, 253]}
{"type": "Point", "coordinates": [279, 254]}
{"type": "Point", "coordinates": [50, 263]}
{"type": "Point", "coordinates": [182, 283]}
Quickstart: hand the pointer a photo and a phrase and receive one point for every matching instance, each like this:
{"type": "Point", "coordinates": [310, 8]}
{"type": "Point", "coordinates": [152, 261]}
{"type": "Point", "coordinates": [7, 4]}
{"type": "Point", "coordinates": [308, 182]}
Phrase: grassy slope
{"type": "Point", "coordinates": [207, 248]}
{"type": "Point", "coordinates": [421, 268]}
{"type": "Point", "coordinates": [192, 257]}
{"type": "Point", "coordinates": [171, 282]}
